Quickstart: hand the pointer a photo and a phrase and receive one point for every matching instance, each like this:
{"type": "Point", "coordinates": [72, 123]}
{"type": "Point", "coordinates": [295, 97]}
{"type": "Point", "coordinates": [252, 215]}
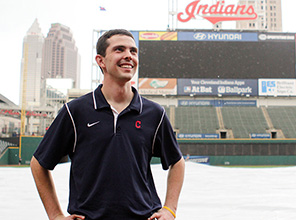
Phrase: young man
{"type": "Point", "coordinates": [111, 135]}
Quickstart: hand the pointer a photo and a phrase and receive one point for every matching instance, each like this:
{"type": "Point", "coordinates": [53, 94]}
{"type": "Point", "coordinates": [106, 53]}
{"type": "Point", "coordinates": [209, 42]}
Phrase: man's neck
{"type": "Point", "coordinates": [118, 95]}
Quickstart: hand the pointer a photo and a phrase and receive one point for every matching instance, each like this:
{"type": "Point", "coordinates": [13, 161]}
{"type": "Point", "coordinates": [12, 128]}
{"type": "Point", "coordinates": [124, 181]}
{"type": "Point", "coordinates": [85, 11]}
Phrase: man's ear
{"type": "Point", "coordinates": [100, 61]}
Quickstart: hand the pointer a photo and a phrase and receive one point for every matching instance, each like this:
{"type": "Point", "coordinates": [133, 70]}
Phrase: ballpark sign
{"type": "Point", "coordinates": [217, 12]}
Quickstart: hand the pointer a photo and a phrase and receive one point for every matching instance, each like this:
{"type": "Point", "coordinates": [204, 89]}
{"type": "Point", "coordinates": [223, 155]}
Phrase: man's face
{"type": "Point", "coordinates": [121, 60]}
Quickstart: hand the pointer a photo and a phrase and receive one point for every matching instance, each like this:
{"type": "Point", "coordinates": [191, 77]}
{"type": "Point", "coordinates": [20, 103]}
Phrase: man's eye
{"type": "Point", "coordinates": [119, 49]}
{"type": "Point", "coordinates": [134, 51]}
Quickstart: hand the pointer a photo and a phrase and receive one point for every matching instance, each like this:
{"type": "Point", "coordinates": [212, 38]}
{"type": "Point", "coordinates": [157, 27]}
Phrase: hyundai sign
{"type": "Point", "coordinates": [217, 36]}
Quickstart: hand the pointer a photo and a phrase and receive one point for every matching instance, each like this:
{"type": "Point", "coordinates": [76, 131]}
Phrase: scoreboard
{"type": "Point", "coordinates": [216, 55]}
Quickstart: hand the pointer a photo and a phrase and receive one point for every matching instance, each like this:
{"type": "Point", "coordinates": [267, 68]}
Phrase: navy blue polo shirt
{"type": "Point", "coordinates": [110, 175]}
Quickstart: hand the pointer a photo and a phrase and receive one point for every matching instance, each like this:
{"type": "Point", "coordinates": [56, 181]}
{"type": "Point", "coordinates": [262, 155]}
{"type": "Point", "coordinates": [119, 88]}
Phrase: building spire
{"type": "Point", "coordinates": [34, 29]}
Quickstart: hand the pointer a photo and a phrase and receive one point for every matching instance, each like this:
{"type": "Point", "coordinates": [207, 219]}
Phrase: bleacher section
{"type": "Point", "coordinates": [284, 118]}
{"type": "Point", "coordinates": [4, 145]}
{"type": "Point", "coordinates": [196, 120]}
{"type": "Point", "coordinates": [244, 120]}
{"type": "Point", "coordinates": [167, 110]}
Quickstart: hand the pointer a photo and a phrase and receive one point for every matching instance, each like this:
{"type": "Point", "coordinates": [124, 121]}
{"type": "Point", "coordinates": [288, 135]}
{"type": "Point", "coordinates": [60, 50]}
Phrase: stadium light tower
{"type": "Point", "coordinates": [172, 14]}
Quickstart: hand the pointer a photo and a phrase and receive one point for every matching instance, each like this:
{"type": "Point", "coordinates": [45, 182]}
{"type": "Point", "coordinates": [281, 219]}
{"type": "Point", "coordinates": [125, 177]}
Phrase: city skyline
{"type": "Point", "coordinates": [83, 18]}
{"type": "Point", "coordinates": [52, 57]}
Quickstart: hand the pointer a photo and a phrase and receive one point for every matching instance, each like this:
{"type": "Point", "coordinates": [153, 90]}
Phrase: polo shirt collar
{"type": "Point", "coordinates": [100, 101]}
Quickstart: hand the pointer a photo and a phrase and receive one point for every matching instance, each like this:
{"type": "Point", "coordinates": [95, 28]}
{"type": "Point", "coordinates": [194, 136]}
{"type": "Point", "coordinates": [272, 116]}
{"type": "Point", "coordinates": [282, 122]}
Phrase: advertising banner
{"type": "Point", "coordinates": [239, 103]}
{"type": "Point", "coordinates": [217, 103]}
{"type": "Point", "coordinates": [277, 87]}
{"type": "Point", "coordinates": [193, 136]}
{"type": "Point", "coordinates": [217, 36]}
{"type": "Point", "coordinates": [198, 159]}
{"type": "Point", "coordinates": [158, 86]}
{"type": "Point", "coordinates": [196, 103]}
{"type": "Point", "coordinates": [221, 87]}
{"type": "Point", "coordinates": [276, 37]}
{"type": "Point", "coordinates": [158, 35]}
{"type": "Point", "coordinates": [261, 136]}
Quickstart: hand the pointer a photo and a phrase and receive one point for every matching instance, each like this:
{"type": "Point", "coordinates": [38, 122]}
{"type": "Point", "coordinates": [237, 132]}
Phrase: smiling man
{"type": "Point", "coordinates": [111, 135]}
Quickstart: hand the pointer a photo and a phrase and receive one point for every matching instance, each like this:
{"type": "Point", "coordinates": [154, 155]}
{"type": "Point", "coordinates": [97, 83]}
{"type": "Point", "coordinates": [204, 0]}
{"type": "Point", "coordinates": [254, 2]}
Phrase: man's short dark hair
{"type": "Point", "coordinates": [102, 43]}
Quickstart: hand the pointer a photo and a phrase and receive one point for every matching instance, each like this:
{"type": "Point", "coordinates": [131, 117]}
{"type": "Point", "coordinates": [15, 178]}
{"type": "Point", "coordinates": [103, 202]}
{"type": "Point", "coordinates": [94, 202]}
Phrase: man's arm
{"type": "Point", "coordinates": [46, 189]}
{"type": "Point", "coordinates": [174, 186]}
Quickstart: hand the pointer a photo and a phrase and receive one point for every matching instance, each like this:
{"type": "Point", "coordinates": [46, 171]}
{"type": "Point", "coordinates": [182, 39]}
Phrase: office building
{"type": "Point", "coordinates": [31, 62]}
{"type": "Point", "coordinates": [269, 16]}
{"type": "Point", "coordinates": [60, 55]}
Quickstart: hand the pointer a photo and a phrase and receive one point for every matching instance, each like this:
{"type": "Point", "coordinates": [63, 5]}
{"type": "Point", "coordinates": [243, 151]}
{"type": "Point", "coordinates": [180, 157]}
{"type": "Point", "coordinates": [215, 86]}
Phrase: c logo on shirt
{"type": "Point", "coordinates": [138, 124]}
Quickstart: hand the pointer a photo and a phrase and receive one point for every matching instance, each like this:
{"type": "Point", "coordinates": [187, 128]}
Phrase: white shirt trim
{"type": "Point", "coordinates": [74, 126]}
{"type": "Point", "coordinates": [163, 114]}
{"type": "Point", "coordinates": [115, 114]}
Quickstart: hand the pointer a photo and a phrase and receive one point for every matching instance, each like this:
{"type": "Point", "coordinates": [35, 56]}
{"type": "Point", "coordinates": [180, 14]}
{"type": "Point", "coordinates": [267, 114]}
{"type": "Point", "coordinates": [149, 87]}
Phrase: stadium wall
{"type": "Point", "coordinates": [28, 147]}
{"type": "Point", "coordinates": [10, 156]}
{"type": "Point", "coordinates": [213, 152]}
{"type": "Point", "coordinates": [252, 160]}
{"type": "Point", "coordinates": [242, 152]}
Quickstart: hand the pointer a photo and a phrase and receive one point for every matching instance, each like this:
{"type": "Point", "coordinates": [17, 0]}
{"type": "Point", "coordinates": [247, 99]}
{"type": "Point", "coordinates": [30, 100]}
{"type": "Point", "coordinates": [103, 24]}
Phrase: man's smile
{"type": "Point", "coordinates": [126, 65]}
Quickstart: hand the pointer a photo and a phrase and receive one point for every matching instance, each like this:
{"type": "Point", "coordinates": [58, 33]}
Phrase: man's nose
{"type": "Point", "coordinates": [127, 55]}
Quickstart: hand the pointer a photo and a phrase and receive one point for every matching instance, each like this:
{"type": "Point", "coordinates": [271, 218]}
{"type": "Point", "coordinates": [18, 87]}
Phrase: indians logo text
{"type": "Point", "coordinates": [217, 12]}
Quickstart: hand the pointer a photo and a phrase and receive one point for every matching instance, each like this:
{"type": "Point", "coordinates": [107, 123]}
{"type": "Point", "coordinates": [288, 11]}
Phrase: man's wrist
{"type": "Point", "coordinates": [170, 210]}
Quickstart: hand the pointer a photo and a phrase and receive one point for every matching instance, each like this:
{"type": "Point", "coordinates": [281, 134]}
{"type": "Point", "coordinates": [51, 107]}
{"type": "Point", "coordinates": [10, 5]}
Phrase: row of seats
{"type": "Point", "coordinates": [244, 120]}
{"type": "Point", "coordinates": [3, 146]}
{"type": "Point", "coordinates": [241, 120]}
{"type": "Point", "coordinates": [196, 120]}
{"type": "Point", "coordinates": [284, 118]}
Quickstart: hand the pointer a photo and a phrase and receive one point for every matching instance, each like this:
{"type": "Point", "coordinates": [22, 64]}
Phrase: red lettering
{"type": "Point", "coordinates": [217, 12]}
{"type": "Point", "coordinates": [251, 11]}
{"type": "Point", "coordinates": [229, 10]}
{"type": "Point", "coordinates": [138, 124]}
{"type": "Point", "coordinates": [241, 8]}
{"type": "Point", "coordinates": [190, 9]}
{"type": "Point", "coordinates": [214, 9]}
{"type": "Point", "coordinates": [204, 7]}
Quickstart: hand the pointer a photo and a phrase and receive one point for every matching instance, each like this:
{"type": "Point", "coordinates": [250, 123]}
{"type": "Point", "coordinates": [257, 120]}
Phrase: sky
{"type": "Point", "coordinates": [83, 17]}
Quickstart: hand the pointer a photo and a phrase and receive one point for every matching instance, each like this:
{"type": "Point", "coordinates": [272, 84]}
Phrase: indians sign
{"type": "Point", "coordinates": [217, 12]}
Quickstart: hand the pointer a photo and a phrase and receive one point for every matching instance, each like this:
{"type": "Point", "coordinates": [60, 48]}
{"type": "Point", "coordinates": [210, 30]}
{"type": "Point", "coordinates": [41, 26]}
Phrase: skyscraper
{"type": "Point", "coordinates": [269, 16]}
{"type": "Point", "coordinates": [32, 54]}
{"type": "Point", "coordinates": [60, 55]}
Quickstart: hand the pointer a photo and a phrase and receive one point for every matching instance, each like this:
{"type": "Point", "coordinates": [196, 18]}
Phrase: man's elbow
{"type": "Point", "coordinates": [180, 164]}
{"type": "Point", "coordinates": [33, 163]}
